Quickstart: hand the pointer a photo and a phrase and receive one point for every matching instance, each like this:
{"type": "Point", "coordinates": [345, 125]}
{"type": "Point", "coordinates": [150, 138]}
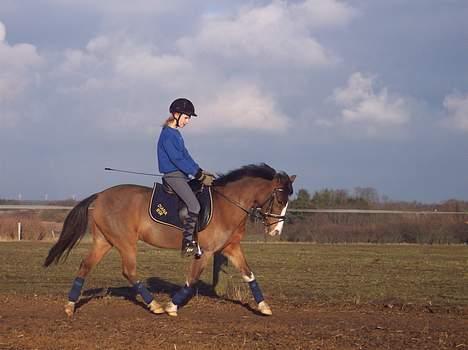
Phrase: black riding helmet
{"type": "Point", "coordinates": [183, 106]}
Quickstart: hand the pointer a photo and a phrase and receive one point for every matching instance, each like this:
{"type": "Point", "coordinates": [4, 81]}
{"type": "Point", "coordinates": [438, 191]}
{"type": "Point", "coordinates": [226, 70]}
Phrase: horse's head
{"type": "Point", "coordinates": [272, 210]}
{"type": "Point", "coordinates": [260, 191]}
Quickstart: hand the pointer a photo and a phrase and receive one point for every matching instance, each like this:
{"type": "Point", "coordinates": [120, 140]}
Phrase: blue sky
{"type": "Point", "coordinates": [342, 93]}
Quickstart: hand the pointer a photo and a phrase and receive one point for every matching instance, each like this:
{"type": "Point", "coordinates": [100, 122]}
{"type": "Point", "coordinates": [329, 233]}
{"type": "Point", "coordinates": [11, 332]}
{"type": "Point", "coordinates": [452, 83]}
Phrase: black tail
{"type": "Point", "coordinates": [73, 230]}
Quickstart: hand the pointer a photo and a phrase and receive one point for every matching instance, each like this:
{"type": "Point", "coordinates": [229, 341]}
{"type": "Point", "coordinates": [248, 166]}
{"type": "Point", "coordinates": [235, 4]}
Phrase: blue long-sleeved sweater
{"type": "Point", "coordinates": [172, 154]}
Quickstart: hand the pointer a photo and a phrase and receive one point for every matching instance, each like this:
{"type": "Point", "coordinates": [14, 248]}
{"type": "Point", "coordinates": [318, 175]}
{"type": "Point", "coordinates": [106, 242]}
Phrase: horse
{"type": "Point", "coordinates": [120, 218]}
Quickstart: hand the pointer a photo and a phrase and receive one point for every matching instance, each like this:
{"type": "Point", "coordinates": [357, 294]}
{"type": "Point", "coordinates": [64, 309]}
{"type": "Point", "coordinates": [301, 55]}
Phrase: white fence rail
{"type": "Point", "coordinates": [349, 211]}
{"type": "Point", "coordinates": [34, 207]}
{"type": "Point", "coordinates": [377, 211]}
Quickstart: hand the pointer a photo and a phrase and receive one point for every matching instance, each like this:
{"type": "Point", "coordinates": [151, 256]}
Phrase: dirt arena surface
{"type": "Point", "coordinates": [109, 322]}
{"type": "Point", "coordinates": [322, 297]}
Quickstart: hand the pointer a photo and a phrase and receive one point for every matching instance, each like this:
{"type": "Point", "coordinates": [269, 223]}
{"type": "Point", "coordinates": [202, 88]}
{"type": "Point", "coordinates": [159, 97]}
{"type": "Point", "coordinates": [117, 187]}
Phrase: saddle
{"type": "Point", "coordinates": [168, 209]}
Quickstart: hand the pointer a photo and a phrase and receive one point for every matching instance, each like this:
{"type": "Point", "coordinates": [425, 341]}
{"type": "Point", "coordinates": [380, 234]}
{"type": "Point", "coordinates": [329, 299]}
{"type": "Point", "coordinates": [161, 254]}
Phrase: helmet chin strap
{"type": "Point", "coordinates": [177, 119]}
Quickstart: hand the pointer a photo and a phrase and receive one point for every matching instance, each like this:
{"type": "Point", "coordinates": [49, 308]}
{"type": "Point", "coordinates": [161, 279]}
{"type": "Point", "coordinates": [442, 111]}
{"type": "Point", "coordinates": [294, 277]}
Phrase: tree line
{"type": "Point", "coordinates": [373, 228]}
{"type": "Point", "coordinates": [367, 198]}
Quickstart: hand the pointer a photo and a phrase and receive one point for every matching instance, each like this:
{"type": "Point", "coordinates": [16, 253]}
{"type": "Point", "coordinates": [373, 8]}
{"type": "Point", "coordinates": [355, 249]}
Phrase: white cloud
{"type": "Point", "coordinates": [117, 57]}
{"type": "Point", "coordinates": [122, 7]}
{"type": "Point", "coordinates": [323, 13]}
{"type": "Point", "coordinates": [241, 105]}
{"type": "Point", "coordinates": [325, 123]}
{"type": "Point", "coordinates": [275, 34]}
{"type": "Point", "coordinates": [2, 32]}
{"type": "Point", "coordinates": [123, 82]}
{"type": "Point", "coordinates": [118, 82]}
{"type": "Point", "coordinates": [18, 63]}
{"type": "Point", "coordinates": [146, 65]}
{"type": "Point", "coordinates": [457, 107]}
{"type": "Point", "coordinates": [373, 110]}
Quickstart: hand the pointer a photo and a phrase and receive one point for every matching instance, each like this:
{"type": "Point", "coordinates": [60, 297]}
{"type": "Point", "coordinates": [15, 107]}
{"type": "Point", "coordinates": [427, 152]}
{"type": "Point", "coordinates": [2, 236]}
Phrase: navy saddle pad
{"type": "Point", "coordinates": [168, 209]}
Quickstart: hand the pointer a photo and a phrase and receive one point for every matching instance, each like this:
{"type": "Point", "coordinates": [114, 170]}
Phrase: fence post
{"type": "Point", "coordinates": [19, 231]}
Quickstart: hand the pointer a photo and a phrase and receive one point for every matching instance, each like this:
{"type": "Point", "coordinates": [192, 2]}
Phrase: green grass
{"type": "Point", "coordinates": [296, 272]}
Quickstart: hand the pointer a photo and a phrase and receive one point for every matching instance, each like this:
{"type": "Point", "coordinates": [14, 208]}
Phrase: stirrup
{"type": "Point", "coordinates": [189, 247]}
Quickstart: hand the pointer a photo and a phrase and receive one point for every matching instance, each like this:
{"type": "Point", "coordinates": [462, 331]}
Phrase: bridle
{"type": "Point", "coordinates": [255, 212]}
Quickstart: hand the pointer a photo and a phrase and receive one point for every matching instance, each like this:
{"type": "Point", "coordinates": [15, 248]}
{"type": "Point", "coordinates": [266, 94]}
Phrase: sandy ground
{"type": "Point", "coordinates": [112, 322]}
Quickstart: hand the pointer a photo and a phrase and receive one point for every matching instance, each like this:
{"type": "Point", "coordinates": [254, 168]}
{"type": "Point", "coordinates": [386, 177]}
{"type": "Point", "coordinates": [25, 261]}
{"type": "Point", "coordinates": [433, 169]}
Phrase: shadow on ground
{"type": "Point", "coordinates": [155, 285]}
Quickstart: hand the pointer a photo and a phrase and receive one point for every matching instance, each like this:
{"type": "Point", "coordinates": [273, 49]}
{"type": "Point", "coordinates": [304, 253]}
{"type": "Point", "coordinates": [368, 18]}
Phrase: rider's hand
{"type": "Point", "coordinates": [205, 177]}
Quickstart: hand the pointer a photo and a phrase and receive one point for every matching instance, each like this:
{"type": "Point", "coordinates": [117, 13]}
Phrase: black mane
{"type": "Point", "coordinates": [262, 170]}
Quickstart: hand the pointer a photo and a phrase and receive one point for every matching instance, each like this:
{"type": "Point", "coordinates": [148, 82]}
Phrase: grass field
{"type": "Point", "coordinates": [300, 273]}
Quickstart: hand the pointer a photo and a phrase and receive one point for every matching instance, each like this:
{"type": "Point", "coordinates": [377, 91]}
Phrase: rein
{"type": "Point", "coordinates": [255, 212]}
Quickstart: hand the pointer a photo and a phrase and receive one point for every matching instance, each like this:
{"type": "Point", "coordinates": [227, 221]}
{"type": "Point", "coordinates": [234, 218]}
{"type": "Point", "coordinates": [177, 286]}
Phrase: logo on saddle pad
{"type": "Point", "coordinates": [161, 210]}
{"type": "Point", "coordinates": [168, 209]}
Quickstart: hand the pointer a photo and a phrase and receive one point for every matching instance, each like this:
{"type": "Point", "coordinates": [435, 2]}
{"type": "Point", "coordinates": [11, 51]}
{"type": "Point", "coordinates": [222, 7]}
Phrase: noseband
{"type": "Point", "coordinates": [255, 212]}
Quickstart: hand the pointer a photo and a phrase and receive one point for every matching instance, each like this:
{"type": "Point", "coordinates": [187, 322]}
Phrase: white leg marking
{"type": "Point", "coordinates": [264, 308]}
{"type": "Point", "coordinates": [248, 278]}
{"type": "Point", "coordinates": [171, 309]}
{"type": "Point", "coordinates": [155, 307]}
{"type": "Point", "coordinates": [70, 308]}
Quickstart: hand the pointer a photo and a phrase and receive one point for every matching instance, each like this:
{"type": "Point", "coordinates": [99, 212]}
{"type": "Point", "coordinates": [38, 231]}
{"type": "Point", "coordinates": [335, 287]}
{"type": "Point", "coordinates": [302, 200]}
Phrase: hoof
{"type": "Point", "coordinates": [264, 309]}
{"type": "Point", "coordinates": [171, 309]}
{"type": "Point", "coordinates": [155, 307]}
{"type": "Point", "coordinates": [70, 308]}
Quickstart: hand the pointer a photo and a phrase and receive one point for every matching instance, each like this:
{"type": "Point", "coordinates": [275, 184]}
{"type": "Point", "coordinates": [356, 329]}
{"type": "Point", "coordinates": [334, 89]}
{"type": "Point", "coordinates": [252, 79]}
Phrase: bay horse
{"type": "Point", "coordinates": [120, 218]}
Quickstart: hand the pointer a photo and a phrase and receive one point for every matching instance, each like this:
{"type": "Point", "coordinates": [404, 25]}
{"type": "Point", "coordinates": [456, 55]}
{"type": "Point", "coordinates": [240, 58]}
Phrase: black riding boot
{"type": "Point", "coordinates": [189, 244]}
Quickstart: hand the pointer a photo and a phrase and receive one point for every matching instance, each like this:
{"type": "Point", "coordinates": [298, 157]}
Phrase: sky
{"type": "Point", "coordinates": [343, 94]}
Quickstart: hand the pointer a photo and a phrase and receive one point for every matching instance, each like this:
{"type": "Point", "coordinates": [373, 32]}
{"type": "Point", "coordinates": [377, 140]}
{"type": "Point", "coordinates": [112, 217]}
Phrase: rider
{"type": "Point", "coordinates": [177, 165]}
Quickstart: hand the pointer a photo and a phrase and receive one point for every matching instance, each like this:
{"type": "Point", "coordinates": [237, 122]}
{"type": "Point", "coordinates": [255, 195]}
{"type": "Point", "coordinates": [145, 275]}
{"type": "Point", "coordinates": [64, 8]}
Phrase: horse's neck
{"type": "Point", "coordinates": [247, 191]}
{"type": "Point", "coordinates": [243, 193]}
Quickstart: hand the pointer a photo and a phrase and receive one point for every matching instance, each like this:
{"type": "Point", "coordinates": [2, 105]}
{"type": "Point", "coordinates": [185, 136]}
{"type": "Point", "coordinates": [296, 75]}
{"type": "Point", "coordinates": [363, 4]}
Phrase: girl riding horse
{"type": "Point", "coordinates": [120, 218]}
{"type": "Point", "coordinates": [176, 164]}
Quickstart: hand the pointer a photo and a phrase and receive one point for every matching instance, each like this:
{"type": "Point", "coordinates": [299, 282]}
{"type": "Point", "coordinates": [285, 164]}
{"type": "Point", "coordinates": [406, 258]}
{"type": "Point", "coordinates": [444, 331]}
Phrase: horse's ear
{"type": "Point", "coordinates": [292, 178]}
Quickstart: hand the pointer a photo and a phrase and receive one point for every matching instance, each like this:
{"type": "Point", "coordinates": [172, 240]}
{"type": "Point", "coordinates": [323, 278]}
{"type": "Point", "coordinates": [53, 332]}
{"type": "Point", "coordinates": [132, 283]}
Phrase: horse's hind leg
{"type": "Point", "coordinates": [99, 249]}
{"type": "Point", "coordinates": [129, 270]}
{"type": "Point", "coordinates": [234, 253]}
{"type": "Point", "coordinates": [184, 294]}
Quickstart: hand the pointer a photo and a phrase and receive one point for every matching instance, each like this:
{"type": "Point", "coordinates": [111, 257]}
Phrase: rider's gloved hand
{"type": "Point", "coordinates": [205, 177]}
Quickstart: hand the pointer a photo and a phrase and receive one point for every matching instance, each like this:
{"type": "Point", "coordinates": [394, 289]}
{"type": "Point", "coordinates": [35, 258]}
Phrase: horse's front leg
{"type": "Point", "coordinates": [184, 294]}
{"type": "Point", "coordinates": [237, 258]}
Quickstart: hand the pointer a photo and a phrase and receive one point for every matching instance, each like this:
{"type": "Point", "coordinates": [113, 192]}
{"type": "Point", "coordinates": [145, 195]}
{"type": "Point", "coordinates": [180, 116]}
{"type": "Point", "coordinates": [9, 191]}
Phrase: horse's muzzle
{"type": "Point", "coordinates": [274, 232]}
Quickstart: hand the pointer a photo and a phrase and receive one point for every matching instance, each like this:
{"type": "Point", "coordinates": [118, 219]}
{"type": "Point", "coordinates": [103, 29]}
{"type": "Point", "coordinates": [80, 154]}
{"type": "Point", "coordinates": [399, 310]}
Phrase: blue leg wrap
{"type": "Point", "coordinates": [256, 291]}
{"type": "Point", "coordinates": [144, 292]}
{"type": "Point", "coordinates": [182, 296]}
{"type": "Point", "coordinates": [75, 290]}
